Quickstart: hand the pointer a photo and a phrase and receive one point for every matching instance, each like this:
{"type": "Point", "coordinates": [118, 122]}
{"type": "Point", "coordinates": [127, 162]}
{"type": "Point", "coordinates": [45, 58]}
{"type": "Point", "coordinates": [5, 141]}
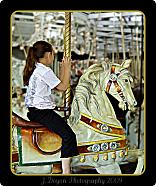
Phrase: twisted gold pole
{"type": "Point", "coordinates": [67, 53]}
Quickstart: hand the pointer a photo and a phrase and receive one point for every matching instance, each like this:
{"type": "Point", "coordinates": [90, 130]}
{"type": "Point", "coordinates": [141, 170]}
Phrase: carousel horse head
{"type": "Point", "coordinates": [91, 92]}
{"type": "Point", "coordinates": [118, 85]}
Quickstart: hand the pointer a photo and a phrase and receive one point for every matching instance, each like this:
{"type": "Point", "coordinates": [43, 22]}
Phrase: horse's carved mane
{"type": "Point", "coordinates": [86, 88]}
{"type": "Point", "coordinates": [91, 74]}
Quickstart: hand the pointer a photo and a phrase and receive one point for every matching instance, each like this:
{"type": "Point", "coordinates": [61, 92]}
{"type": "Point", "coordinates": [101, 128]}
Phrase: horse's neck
{"type": "Point", "coordinates": [105, 110]}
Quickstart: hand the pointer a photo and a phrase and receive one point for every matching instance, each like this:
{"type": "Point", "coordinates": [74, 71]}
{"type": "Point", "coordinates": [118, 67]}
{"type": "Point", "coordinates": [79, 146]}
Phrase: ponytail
{"type": "Point", "coordinates": [29, 67]}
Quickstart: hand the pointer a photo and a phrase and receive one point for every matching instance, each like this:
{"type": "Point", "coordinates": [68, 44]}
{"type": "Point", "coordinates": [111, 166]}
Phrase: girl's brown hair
{"type": "Point", "coordinates": [34, 54]}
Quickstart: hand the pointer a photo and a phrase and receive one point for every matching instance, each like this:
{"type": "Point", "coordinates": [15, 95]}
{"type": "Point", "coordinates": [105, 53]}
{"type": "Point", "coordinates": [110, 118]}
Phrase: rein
{"type": "Point", "coordinates": [113, 78]}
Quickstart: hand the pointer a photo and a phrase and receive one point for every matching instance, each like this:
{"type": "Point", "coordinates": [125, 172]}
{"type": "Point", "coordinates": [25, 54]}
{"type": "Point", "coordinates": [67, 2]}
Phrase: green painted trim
{"type": "Point", "coordinates": [40, 163]}
{"type": "Point", "coordinates": [19, 144]}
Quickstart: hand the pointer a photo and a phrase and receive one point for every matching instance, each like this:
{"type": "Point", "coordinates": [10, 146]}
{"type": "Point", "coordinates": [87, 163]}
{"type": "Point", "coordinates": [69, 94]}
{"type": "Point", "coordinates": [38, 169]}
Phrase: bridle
{"type": "Point", "coordinates": [113, 78]}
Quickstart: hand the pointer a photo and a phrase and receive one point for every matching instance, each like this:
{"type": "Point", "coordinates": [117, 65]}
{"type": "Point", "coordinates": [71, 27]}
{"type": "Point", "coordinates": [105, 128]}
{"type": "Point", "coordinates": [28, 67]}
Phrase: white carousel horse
{"type": "Point", "coordinates": [101, 138]}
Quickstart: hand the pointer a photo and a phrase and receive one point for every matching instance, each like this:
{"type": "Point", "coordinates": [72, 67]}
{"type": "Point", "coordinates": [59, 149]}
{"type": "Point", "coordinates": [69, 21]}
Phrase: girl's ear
{"type": "Point", "coordinates": [47, 55]}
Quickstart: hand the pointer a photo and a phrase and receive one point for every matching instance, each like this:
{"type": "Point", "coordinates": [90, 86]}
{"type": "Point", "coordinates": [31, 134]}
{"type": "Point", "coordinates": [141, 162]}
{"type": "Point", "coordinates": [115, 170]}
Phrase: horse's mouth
{"type": "Point", "coordinates": [131, 107]}
{"type": "Point", "coordinates": [126, 106]}
{"type": "Point", "coordinates": [122, 105]}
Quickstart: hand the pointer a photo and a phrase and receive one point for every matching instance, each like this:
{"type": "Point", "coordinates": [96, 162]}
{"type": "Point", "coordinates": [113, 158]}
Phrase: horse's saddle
{"type": "Point", "coordinates": [42, 139]}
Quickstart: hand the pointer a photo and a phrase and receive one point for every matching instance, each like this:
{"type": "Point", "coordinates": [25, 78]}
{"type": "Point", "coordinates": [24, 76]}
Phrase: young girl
{"type": "Point", "coordinates": [40, 80]}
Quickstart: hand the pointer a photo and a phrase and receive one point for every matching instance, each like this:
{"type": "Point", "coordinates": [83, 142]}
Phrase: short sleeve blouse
{"type": "Point", "coordinates": [41, 82]}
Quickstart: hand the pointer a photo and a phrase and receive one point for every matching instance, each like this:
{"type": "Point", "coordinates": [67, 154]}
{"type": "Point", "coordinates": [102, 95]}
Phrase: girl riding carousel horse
{"type": "Point", "coordinates": [40, 79]}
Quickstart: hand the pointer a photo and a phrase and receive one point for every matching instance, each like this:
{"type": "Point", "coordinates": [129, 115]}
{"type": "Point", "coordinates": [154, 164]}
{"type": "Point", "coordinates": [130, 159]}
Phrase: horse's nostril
{"type": "Point", "coordinates": [135, 103]}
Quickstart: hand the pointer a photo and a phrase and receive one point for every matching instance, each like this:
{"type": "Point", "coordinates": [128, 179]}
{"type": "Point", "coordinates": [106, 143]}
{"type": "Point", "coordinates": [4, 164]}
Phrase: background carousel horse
{"type": "Point", "coordinates": [101, 137]}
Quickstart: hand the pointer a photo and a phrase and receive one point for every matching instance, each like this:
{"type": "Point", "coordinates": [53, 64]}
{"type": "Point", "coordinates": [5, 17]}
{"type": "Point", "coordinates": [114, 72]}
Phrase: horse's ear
{"type": "Point", "coordinates": [126, 63]}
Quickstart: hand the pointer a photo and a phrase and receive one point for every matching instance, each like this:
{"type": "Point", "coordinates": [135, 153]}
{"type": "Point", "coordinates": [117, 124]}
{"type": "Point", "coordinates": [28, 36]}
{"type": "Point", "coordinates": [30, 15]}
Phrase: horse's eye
{"type": "Point", "coordinates": [126, 80]}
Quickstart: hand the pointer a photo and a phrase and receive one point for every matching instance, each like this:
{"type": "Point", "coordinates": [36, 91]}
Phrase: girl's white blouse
{"type": "Point", "coordinates": [39, 91]}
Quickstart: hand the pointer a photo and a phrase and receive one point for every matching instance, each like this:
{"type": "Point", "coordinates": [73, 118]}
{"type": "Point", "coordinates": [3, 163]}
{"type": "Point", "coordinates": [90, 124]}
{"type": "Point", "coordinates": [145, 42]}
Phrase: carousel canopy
{"type": "Point", "coordinates": [95, 33]}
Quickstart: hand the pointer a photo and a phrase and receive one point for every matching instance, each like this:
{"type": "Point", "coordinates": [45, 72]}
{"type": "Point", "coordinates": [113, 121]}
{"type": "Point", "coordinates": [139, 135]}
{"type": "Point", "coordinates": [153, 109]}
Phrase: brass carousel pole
{"type": "Point", "coordinates": [67, 53]}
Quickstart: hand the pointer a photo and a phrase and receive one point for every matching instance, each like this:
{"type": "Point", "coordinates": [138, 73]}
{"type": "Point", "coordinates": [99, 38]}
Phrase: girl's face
{"type": "Point", "coordinates": [49, 58]}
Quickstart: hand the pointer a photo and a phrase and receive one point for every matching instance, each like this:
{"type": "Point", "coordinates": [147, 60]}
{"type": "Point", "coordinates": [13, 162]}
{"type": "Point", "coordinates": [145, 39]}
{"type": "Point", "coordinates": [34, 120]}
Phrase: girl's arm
{"type": "Point", "coordinates": [65, 74]}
